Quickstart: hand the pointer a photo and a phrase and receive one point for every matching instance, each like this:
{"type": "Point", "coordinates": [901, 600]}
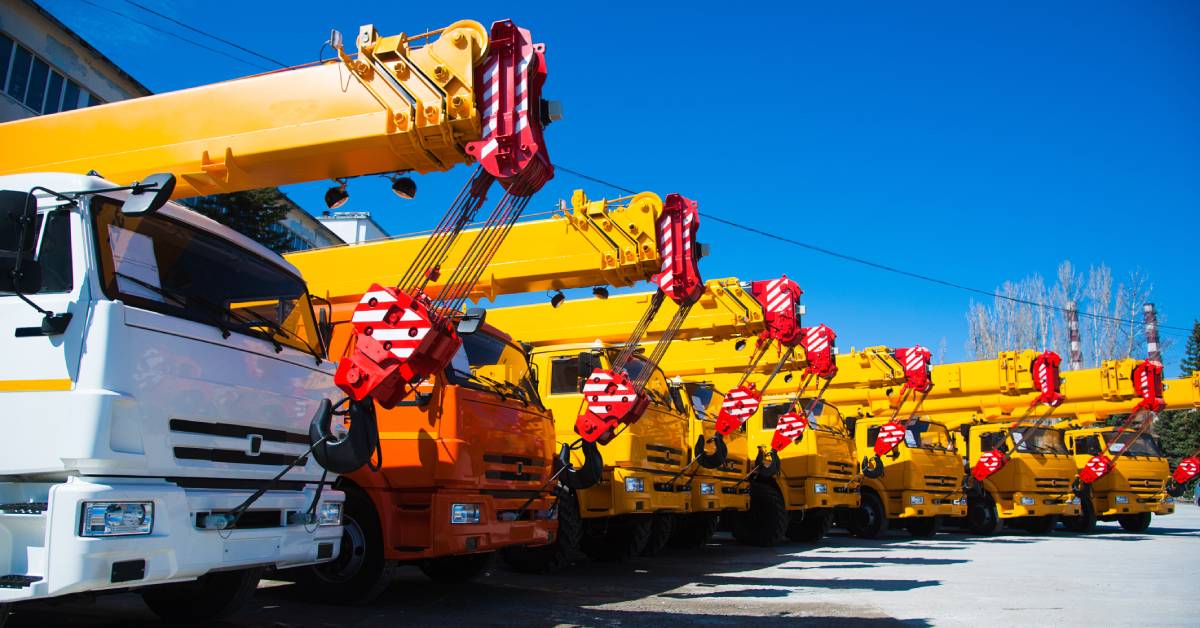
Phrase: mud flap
{"type": "Point", "coordinates": [351, 451]}
{"type": "Point", "coordinates": [717, 458]}
{"type": "Point", "coordinates": [587, 475]}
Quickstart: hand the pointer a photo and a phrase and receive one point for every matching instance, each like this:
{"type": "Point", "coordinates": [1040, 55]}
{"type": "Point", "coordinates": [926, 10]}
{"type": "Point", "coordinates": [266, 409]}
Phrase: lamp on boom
{"type": "Point", "coordinates": [337, 196]}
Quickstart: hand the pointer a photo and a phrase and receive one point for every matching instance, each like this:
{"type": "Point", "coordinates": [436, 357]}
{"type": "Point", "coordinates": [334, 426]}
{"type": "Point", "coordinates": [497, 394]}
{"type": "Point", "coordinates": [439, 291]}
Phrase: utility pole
{"type": "Point", "coordinates": [1150, 318]}
{"type": "Point", "coordinates": [1073, 335]}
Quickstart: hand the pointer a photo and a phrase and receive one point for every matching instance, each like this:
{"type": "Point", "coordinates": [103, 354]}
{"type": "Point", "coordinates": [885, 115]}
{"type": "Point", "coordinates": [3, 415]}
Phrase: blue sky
{"type": "Point", "coordinates": [974, 143]}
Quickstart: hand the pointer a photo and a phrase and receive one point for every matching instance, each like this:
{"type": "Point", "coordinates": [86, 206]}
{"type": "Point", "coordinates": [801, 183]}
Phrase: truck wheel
{"type": "Point", "coordinates": [694, 530]}
{"type": "Point", "coordinates": [455, 569]}
{"type": "Point", "coordinates": [868, 521]}
{"type": "Point", "coordinates": [5, 611]}
{"type": "Point", "coordinates": [1134, 523]}
{"type": "Point", "coordinates": [1040, 525]}
{"type": "Point", "coordinates": [808, 527]}
{"type": "Point", "coordinates": [1086, 521]}
{"type": "Point", "coordinates": [623, 539]}
{"type": "Point", "coordinates": [359, 573]}
{"type": "Point", "coordinates": [210, 597]}
{"type": "Point", "coordinates": [557, 555]}
{"type": "Point", "coordinates": [766, 522]}
{"type": "Point", "coordinates": [982, 517]}
{"type": "Point", "coordinates": [660, 533]}
{"type": "Point", "coordinates": [923, 527]}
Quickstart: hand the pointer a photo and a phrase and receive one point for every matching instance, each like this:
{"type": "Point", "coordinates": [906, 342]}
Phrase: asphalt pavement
{"type": "Point", "coordinates": [1109, 578]}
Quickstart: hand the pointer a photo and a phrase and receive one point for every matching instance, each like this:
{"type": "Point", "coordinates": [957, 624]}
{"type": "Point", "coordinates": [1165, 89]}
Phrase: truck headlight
{"type": "Point", "coordinates": [1122, 499]}
{"type": "Point", "coordinates": [1028, 501]}
{"type": "Point", "coordinates": [1169, 500]}
{"type": "Point", "coordinates": [329, 514]}
{"type": "Point", "coordinates": [464, 513]}
{"type": "Point", "coordinates": [820, 488]}
{"type": "Point", "coordinates": [116, 518]}
{"type": "Point", "coordinates": [707, 488]}
{"type": "Point", "coordinates": [635, 485]}
{"type": "Point", "coordinates": [916, 500]}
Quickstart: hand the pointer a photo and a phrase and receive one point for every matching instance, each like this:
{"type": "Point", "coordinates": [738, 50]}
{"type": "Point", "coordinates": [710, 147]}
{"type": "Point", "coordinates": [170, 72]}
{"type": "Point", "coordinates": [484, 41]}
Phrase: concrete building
{"type": "Point", "coordinates": [353, 227]}
{"type": "Point", "coordinates": [45, 67]}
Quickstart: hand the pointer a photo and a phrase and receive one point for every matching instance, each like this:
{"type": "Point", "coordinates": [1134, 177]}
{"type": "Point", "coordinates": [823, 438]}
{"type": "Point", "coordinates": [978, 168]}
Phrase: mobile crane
{"type": "Point", "coordinates": [719, 462]}
{"type": "Point", "coordinates": [1183, 393]}
{"type": "Point", "coordinates": [912, 474]}
{"type": "Point", "coordinates": [1123, 474]}
{"type": "Point", "coordinates": [513, 470]}
{"type": "Point", "coordinates": [195, 388]}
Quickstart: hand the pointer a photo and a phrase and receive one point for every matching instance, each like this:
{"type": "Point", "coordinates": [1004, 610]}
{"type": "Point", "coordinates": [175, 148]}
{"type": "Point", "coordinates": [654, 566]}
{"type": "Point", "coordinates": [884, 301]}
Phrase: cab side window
{"type": "Point", "coordinates": [1088, 445]}
{"type": "Point", "coordinates": [564, 376]}
{"type": "Point", "coordinates": [991, 440]}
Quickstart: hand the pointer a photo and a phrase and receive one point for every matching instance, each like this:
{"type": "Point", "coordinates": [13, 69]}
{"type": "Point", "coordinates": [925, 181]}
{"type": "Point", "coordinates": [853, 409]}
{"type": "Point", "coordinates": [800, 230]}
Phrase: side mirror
{"type": "Point", "coordinates": [30, 276]}
{"type": "Point", "coordinates": [324, 313]}
{"type": "Point", "coordinates": [15, 207]}
{"type": "Point", "coordinates": [149, 195]}
{"type": "Point", "coordinates": [471, 321]}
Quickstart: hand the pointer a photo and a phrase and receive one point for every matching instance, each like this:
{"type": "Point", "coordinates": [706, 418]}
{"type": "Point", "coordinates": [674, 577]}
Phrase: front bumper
{"type": "Point", "coordinates": [47, 549]}
{"type": "Point", "coordinates": [415, 534]}
{"type": "Point", "coordinates": [919, 504]}
{"type": "Point", "coordinates": [814, 492]}
{"type": "Point", "coordinates": [608, 498]}
{"type": "Point", "coordinates": [722, 494]}
{"type": "Point", "coordinates": [1116, 503]}
{"type": "Point", "coordinates": [1038, 505]}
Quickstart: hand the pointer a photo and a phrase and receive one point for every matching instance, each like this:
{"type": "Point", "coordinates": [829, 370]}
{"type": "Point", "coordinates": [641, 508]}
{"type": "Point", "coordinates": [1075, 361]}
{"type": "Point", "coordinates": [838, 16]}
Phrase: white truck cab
{"type": "Point", "coordinates": [178, 374]}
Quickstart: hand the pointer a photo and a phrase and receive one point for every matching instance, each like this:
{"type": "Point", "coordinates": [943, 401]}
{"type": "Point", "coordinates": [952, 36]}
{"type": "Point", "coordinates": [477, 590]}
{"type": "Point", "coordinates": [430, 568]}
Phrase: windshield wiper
{"type": "Point", "coordinates": [491, 384]}
{"type": "Point", "coordinates": [277, 329]}
{"type": "Point", "coordinates": [180, 301]}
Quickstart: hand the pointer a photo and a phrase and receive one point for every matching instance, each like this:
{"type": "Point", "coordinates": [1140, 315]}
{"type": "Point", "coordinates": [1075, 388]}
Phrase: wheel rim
{"type": "Point", "coordinates": [350, 560]}
{"type": "Point", "coordinates": [870, 517]}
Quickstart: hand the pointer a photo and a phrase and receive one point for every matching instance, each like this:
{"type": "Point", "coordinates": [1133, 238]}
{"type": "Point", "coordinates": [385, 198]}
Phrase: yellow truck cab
{"type": "Point", "coordinates": [1132, 492]}
{"type": "Point", "coordinates": [719, 488]}
{"type": "Point", "coordinates": [629, 511]}
{"type": "Point", "coordinates": [1034, 487]}
{"type": "Point", "coordinates": [817, 476]}
{"type": "Point", "coordinates": [919, 485]}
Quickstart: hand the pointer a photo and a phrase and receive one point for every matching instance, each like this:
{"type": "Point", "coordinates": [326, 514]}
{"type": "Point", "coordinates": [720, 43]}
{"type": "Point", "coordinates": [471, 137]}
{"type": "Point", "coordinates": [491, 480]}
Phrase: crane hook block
{"type": "Point", "coordinates": [918, 374]}
{"type": "Point", "coordinates": [1096, 468]}
{"type": "Point", "coordinates": [739, 405]}
{"type": "Point", "coordinates": [398, 343]}
{"type": "Point", "coordinates": [891, 434]}
{"type": "Point", "coordinates": [679, 277]}
{"type": "Point", "coordinates": [989, 462]}
{"type": "Point", "coordinates": [1046, 379]}
{"type": "Point", "coordinates": [790, 429]}
{"type": "Point", "coordinates": [820, 344]}
{"type": "Point", "coordinates": [611, 399]}
{"type": "Point", "coordinates": [1148, 381]}
{"type": "Point", "coordinates": [509, 97]}
{"type": "Point", "coordinates": [780, 300]}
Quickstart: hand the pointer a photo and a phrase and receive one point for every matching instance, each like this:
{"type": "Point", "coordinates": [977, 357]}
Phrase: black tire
{"type": "Point", "coordinates": [923, 527]}
{"type": "Point", "coordinates": [982, 516]}
{"type": "Point", "coordinates": [1086, 521]}
{"type": "Point", "coordinates": [456, 569]}
{"type": "Point", "coordinates": [359, 573]}
{"type": "Point", "coordinates": [5, 611]}
{"type": "Point", "coordinates": [623, 538]}
{"type": "Point", "coordinates": [869, 520]}
{"type": "Point", "coordinates": [555, 556]}
{"type": "Point", "coordinates": [1040, 525]}
{"type": "Point", "coordinates": [208, 598]}
{"type": "Point", "coordinates": [1135, 523]}
{"type": "Point", "coordinates": [660, 533]}
{"type": "Point", "coordinates": [808, 526]}
{"type": "Point", "coordinates": [694, 530]}
{"type": "Point", "coordinates": [766, 522]}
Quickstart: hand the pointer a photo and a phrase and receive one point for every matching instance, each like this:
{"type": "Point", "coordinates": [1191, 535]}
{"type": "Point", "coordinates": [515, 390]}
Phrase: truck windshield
{"type": "Point", "coordinates": [656, 386]}
{"type": "Point", "coordinates": [821, 416]}
{"type": "Point", "coordinates": [488, 362]}
{"type": "Point", "coordinates": [1143, 445]}
{"type": "Point", "coordinates": [1039, 440]}
{"type": "Point", "coordinates": [158, 263]}
{"type": "Point", "coordinates": [926, 435]}
{"type": "Point", "coordinates": [49, 243]}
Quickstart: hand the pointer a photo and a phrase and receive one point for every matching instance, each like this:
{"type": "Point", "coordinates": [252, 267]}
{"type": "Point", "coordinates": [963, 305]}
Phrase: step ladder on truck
{"type": "Point", "coordinates": [203, 424]}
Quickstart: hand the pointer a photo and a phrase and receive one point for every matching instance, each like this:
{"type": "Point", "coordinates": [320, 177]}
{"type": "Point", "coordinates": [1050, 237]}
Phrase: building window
{"type": "Point", "coordinates": [33, 82]}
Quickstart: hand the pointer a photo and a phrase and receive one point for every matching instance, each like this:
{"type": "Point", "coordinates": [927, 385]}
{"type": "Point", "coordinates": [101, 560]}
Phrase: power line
{"type": "Point", "coordinates": [174, 35]}
{"type": "Point", "coordinates": [884, 267]}
{"type": "Point", "coordinates": [207, 34]}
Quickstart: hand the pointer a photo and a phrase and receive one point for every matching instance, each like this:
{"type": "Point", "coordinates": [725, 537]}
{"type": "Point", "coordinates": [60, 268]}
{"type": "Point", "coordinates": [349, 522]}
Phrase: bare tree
{"type": "Point", "coordinates": [1028, 314]}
